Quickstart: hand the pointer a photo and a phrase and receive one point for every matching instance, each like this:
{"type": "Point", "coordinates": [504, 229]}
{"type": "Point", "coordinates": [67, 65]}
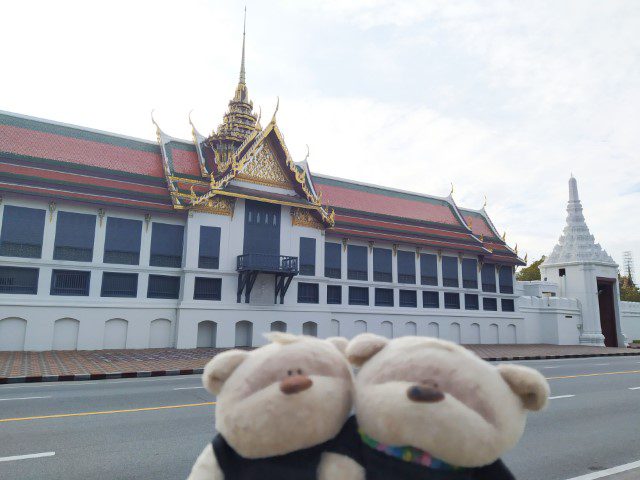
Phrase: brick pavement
{"type": "Point", "coordinates": [87, 364]}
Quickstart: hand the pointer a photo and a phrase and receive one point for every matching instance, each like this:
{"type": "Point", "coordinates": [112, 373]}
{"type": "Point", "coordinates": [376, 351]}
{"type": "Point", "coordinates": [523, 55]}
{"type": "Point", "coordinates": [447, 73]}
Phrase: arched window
{"type": "Point", "coordinates": [387, 329]}
{"type": "Point", "coordinates": [115, 334]}
{"type": "Point", "coordinates": [433, 330]}
{"type": "Point", "coordinates": [207, 333]}
{"type": "Point", "coordinates": [244, 334]}
{"type": "Point", "coordinates": [160, 334]}
{"type": "Point", "coordinates": [335, 328]}
{"type": "Point", "coordinates": [278, 326]}
{"type": "Point", "coordinates": [410, 328]}
{"type": "Point", "coordinates": [65, 334]}
{"type": "Point", "coordinates": [360, 326]}
{"type": "Point", "coordinates": [494, 337]}
{"type": "Point", "coordinates": [475, 333]}
{"type": "Point", "coordinates": [454, 332]}
{"type": "Point", "coordinates": [310, 328]}
{"type": "Point", "coordinates": [510, 336]}
{"type": "Point", "coordinates": [12, 334]}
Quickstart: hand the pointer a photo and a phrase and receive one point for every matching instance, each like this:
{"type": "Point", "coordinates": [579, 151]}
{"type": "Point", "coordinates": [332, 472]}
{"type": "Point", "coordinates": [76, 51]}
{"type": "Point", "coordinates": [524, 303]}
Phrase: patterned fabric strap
{"type": "Point", "coordinates": [408, 454]}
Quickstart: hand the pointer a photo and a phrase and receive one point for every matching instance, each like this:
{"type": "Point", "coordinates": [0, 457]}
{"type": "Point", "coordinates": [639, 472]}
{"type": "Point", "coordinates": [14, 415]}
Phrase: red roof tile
{"type": "Point", "coordinates": [34, 143]}
{"type": "Point", "coordinates": [185, 162]}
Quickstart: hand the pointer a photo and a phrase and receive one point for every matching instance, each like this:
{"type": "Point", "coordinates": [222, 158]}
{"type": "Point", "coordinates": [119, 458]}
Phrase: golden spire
{"type": "Point", "coordinates": [244, 33]}
{"type": "Point", "coordinates": [242, 93]}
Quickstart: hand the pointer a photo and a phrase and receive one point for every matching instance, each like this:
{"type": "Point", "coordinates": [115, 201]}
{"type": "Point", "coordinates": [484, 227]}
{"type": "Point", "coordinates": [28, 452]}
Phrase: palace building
{"type": "Point", "coordinates": [109, 241]}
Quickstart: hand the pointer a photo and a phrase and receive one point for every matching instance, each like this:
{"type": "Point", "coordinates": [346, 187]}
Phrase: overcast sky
{"type": "Point", "coordinates": [500, 98]}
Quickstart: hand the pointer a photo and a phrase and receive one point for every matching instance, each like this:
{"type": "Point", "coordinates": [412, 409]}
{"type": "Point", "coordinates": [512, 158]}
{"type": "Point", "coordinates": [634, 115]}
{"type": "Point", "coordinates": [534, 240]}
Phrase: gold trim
{"type": "Point", "coordinates": [302, 217]}
{"type": "Point", "coordinates": [217, 205]}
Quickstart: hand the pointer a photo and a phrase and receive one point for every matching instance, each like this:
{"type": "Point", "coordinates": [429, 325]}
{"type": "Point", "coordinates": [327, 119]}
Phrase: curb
{"type": "Point", "coordinates": [99, 376]}
{"type": "Point", "coordinates": [557, 357]}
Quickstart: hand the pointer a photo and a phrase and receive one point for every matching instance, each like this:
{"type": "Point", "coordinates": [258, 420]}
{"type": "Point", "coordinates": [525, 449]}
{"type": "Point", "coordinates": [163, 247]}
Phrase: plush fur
{"type": "Point", "coordinates": [477, 410]}
{"type": "Point", "coordinates": [291, 394]}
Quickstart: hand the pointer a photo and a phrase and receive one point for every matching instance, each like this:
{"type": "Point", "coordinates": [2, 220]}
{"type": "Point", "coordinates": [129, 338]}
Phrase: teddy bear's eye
{"type": "Point", "coordinates": [299, 371]}
{"type": "Point", "coordinates": [289, 372]}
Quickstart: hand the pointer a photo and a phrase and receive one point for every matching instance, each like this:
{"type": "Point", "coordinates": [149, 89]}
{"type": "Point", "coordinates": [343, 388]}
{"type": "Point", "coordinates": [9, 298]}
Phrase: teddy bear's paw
{"type": "Point", "coordinates": [334, 466]}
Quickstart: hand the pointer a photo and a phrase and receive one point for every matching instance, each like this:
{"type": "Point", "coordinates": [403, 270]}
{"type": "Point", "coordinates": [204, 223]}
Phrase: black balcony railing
{"type": "Point", "coordinates": [262, 262]}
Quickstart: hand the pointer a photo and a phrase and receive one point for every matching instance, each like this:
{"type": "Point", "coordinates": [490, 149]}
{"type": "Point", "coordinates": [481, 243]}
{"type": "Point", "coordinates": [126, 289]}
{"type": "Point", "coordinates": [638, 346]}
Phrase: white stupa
{"type": "Point", "coordinates": [585, 271]}
{"type": "Point", "coordinates": [576, 244]}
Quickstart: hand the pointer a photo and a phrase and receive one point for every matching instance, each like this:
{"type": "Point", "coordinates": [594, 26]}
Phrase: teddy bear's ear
{"type": "Point", "coordinates": [528, 384]}
{"type": "Point", "coordinates": [364, 346]}
{"type": "Point", "coordinates": [220, 368]}
{"type": "Point", "coordinates": [340, 343]}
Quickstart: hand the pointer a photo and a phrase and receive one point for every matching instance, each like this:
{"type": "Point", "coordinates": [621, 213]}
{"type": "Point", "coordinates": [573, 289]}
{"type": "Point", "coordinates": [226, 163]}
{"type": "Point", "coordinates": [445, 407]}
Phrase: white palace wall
{"type": "Point", "coordinates": [630, 320]}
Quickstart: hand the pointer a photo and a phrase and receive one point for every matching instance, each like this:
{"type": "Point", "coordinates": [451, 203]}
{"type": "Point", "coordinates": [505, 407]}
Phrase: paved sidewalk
{"type": "Point", "coordinates": [100, 364]}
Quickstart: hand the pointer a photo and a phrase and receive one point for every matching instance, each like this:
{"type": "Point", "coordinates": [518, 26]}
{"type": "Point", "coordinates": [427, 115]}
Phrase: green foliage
{"type": "Point", "coordinates": [629, 292]}
{"type": "Point", "coordinates": [532, 272]}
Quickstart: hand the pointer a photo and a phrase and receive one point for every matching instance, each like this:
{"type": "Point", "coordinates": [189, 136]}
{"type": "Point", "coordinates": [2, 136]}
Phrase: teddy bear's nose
{"type": "Point", "coordinates": [425, 394]}
{"type": "Point", "coordinates": [295, 384]}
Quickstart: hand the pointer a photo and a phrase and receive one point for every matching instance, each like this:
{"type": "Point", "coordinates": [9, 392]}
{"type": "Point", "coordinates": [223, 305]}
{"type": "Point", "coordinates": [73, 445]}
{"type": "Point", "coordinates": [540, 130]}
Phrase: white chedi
{"type": "Point", "coordinates": [576, 244]}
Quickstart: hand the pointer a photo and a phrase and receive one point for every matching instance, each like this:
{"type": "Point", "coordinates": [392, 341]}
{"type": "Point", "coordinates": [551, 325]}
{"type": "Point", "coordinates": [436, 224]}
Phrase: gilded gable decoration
{"type": "Point", "coordinates": [218, 205]}
{"type": "Point", "coordinates": [303, 217]}
{"type": "Point", "coordinates": [264, 170]}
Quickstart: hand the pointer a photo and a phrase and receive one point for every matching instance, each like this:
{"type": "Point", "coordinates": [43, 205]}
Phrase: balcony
{"type": "Point", "coordinates": [250, 265]}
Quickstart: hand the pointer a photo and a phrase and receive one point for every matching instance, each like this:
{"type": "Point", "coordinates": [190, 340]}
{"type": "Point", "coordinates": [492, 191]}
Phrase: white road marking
{"type": "Point", "coordinates": [25, 457]}
{"type": "Point", "coordinates": [188, 388]}
{"type": "Point", "coordinates": [558, 366]}
{"type": "Point", "coordinates": [561, 396]}
{"type": "Point", "coordinates": [634, 388]}
{"type": "Point", "coordinates": [80, 383]}
{"type": "Point", "coordinates": [601, 364]}
{"type": "Point", "coordinates": [608, 472]}
{"type": "Point", "coordinates": [22, 398]}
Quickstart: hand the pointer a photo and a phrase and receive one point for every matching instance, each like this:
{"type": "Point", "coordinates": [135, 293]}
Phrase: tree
{"type": "Point", "coordinates": [532, 272]}
{"type": "Point", "coordinates": [628, 290]}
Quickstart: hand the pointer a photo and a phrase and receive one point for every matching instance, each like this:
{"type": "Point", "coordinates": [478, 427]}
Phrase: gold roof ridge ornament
{"type": "Point", "coordinates": [484, 205]}
{"type": "Point", "coordinates": [451, 192]}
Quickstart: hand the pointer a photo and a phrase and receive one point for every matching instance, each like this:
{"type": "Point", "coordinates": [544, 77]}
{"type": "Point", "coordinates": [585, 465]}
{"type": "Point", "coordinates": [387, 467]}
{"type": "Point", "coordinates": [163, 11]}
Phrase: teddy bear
{"type": "Point", "coordinates": [431, 409]}
{"type": "Point", "coordinates": [281, 410]}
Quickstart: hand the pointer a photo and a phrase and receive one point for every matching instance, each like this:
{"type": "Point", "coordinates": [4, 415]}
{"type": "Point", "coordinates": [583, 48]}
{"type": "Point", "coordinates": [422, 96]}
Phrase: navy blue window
{"type": "Point", "coordinates": [430, 300]}
{"type": "Point", "coordinates": [163, 286]}
{"type": "Point", "coordinates": [451, 300]}
{"type": "Point", "coordinates": [358, 296]}
{"type": "Point", "coordinates": [471, 301]}
{"type": "Point", "coordinates": [209, 250]}
{"type": "Point", "coordinates": [307, 256]}
{"type": "Point", "coordinates": [207, 288]}
{"type": "Point", "coordinates": [406, 267]}
{"type": "Point", "coordinates": [308, 292]}
{"type": "Point", "coordinates": [332, 260]}
{"type": "Point", "coordinates": [356, 262]}
{"type": "Point", "coordinates": [122, 241]}
{"type": "Point", "coordinates": [428, 269]}
{"type": "Point", "coordinates": [490, 304]}
{"type": "Point", "coordinates": [384, 297]}
{"type": "Point", "coordinates": [166, 245]}
{"type": "Point", "coordinates": [505, 276]}
{"type": "Point", "coordinates": [382, 265]}
{"type": "Point", "coordinates": [450, 271]}
{"type": "Point", "coordinates": [488, 277]}
{"type": "Point", "coordinates": [334, 294]}
{"type": "Point", "coordinates": [22, 231]}
{"type": "Point", "coordinates": [508, 305]}
{"type": "Point", "coordinates": [70, 282]}
{"type": "Point", "coordinates": [115, 284]}
{"type": "Point", "coordinates": [74, 237]}
{"type": "Point", "coordinates": [19, 280]}
{"type": "Point", "coordinates": [470, 273]}
{"type": "Point", "coordinates": [408, 298]}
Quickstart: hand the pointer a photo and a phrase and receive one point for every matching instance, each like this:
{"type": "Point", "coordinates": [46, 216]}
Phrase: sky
{"type": "Point", "coordinates": [503, 99]}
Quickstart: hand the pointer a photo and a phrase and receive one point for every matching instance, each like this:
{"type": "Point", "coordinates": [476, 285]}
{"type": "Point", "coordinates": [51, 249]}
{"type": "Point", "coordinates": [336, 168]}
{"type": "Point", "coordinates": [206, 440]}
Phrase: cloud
{"type": "Point", "coordinates": [499, 97]}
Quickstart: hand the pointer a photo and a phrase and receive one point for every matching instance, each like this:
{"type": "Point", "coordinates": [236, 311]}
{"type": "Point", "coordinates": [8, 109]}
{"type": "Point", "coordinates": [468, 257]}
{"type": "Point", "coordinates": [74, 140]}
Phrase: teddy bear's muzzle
{"type": "Point", "coordinates": [295, 384]}
{"type": "Point", "coordinates": [425, 394]}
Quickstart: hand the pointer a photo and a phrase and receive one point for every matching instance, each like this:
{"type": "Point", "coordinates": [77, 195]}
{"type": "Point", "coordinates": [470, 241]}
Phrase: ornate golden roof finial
{"type": "Point", "coordinates": [451, 192]}
{"type": "Point", "coordinates": [273, 118]}
{"type": "Point", "coordinates": [307, 155]}
{"type": "Point", "coordinates": [244, 33]}
{"type": "Point", "coordinates": [516, 249]}
{"type": "Point", "coordinates": [504, 236]}
{"type": "Point", "coordinates": [484, 205]}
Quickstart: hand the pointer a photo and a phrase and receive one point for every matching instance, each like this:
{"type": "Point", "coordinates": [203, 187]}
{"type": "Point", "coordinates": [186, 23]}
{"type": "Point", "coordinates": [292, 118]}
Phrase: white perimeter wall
{"type": "Point", "coordinates": [630, 320]}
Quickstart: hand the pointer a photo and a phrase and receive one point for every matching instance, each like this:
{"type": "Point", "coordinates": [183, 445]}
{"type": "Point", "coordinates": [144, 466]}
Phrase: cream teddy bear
{"type": "Point", "coordinates": [431, 409]}
{"type": "Point", "coordinates": [278, 410]}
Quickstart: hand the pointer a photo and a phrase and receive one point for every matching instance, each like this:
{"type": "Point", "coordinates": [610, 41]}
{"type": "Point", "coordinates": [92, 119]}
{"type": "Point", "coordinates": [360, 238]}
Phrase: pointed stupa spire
{"type": "Point", "coordinates": [240, 120]}
{"type": "Point", "coordinates": [576, 244]}
{"type": "Point", "coordinates": [244, 34]}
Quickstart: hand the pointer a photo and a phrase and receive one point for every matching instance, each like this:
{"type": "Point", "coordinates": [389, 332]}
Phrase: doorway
{"type": "Point", "coordinates": [261, 228]}
{"type": "Point", "coordinates": [607, 311]}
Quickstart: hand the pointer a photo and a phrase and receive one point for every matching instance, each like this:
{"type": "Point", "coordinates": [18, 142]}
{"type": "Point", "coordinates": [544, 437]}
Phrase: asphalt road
{"type": "Point", "coordinates": [592, 425]}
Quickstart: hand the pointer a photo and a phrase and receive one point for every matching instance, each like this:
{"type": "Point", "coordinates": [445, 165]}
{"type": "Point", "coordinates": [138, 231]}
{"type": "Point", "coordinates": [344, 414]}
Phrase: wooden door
{"type": "Point", "coordinates": [607, 312]}
{"type": "Point", "coordinates": [261, 228]}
